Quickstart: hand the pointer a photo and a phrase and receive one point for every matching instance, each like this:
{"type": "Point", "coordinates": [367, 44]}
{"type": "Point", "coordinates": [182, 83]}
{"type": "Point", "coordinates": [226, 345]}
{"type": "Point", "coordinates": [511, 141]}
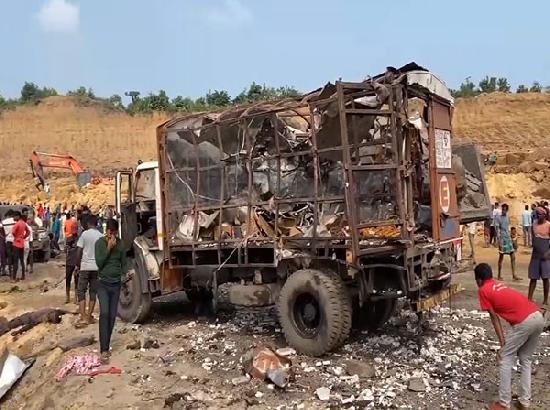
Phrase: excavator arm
{"type": "Point", "coordinates": [41, 160]}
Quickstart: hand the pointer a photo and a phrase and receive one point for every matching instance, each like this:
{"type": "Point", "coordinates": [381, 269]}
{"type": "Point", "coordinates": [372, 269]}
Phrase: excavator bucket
{"type": "Point", "coordinates": [83, 178]}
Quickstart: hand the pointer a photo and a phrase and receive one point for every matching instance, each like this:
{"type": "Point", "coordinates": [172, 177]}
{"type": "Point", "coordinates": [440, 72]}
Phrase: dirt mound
{"type": "Point", "coordinates": [102, 139]}
{"type": "Point", "coordinates": [508, 122]}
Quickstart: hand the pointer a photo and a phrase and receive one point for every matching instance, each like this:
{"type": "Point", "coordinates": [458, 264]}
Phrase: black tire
{"type": "Point", "coordinates": [313, 311]}
{"type": "Point", "coordinates": [373, 315]}
{"type": "Point", "coordinates": [134, 306]}
{"type": "Point", "coordinates": [47, 255]}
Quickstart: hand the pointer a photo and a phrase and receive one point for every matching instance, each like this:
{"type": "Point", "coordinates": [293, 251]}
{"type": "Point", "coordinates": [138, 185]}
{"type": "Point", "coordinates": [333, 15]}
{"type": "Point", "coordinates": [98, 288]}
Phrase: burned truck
{"type": "Point", "coordinates": [332, 206]}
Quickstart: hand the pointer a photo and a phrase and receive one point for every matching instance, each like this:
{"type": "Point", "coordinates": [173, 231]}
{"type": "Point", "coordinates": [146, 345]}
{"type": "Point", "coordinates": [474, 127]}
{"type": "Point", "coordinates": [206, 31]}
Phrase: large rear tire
{"type": "Point", "coordinates": [134, 306]}
{"type": "Point", "coordinates": [314, 311]}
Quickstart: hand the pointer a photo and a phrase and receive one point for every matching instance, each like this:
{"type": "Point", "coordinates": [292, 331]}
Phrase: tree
{"type": "Point", "coordinates": [29, 92]}
{"type": "Point", "coordinates": [502, 85]}
{"type": "Point", "coordinates": [488, 84]}
{"type": "Point", "coordinates": [48, 92]}
{"type": "Point", "coordinates": [159, 102]}
{"type": "Point", "coordinates": [219, 98]}
{"type": "Point", "coordinates": [183, 103]}
{"type": "Point", "coordinates": [116, 101]}
{"type": "Point", "coordinates": [535, 88]}
{"type": "Point", "coordinates": [467, 89]}
{"type": "Point", "coordinates": [288, 92]}
{"type": "Point", "coordinates": [522, 89]}
{"type": "Point", "coordinates": [82, 92]}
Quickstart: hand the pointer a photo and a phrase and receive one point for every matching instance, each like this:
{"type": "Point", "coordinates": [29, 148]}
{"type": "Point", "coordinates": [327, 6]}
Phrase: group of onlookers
{"type": "Point", "coordinates": [16, 237]}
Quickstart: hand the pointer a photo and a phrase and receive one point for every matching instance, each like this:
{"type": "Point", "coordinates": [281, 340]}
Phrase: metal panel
{"type": "Point", "coordinates": [446, 218]}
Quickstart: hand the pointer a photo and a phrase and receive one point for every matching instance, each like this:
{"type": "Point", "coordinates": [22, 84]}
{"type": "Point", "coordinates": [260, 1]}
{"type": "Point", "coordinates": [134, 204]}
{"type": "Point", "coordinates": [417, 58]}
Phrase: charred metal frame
{"type": "Point", "coordinates": [250, 252]}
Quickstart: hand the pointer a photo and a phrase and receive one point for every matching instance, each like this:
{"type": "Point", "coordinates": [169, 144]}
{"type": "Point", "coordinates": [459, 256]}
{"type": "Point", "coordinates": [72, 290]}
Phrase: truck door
{"type": "Point", "coordinates": [126, 208]}
{"type": "Point", "coordinates": [445, 215]}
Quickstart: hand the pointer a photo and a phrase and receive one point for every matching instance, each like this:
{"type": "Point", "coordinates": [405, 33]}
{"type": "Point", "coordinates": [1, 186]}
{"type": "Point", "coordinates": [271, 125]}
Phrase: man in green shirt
{"type": "Point", "coordinates": [110, 257]}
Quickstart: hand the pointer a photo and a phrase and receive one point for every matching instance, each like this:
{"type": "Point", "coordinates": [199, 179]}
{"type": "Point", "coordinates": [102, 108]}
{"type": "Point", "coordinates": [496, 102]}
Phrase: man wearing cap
{"type": "Point", "coordinates": [539, 266]}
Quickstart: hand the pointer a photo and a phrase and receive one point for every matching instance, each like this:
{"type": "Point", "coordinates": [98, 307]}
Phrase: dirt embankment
{"type": "Point", "coordinates": [504, 122]}
{"type": "Point", "coordinates": [101, 139]}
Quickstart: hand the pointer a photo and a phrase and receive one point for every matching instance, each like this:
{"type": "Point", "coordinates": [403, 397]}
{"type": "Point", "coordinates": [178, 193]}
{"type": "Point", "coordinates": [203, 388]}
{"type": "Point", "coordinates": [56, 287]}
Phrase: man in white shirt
{"type": "Point", "coordinates": [87, 270]}
{"type": "Point", "coordinates": [27, 252]}
{"type": "Point", "coordinates": [8, 223]}
{"type": "Point", "coordinates": [526, 222]}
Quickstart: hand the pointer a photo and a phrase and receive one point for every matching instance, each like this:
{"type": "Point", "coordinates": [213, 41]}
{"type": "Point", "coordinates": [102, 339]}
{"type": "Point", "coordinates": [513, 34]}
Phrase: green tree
{"type": "Point", "coordinates": [522, 89]}
{"type": "Point", "coordinates": [503, 85]}
{"type": "Point", "coordinates": [82, 92]}
{"type": "Point", "coordinates": [30, 92]}
{"type": "Point", "coordinates": [159, 102]}
{"type": "Point", "coordinates": [288, 92]}
{"type": "Point", "coordinates": [200, 104]}
{"type": "Point", "coordinates": [48, 92]}
{"type": "Point", "coordinates": [536, 87]}
{"type": "Point", "coordinates": [183, 103]}
{"type": "Point", "coordinates": [116, 101]}
{"type": "Point", "coordinates": [488, 84]}
{"type": "Point", "coordinates": [467, 89]}
{"type": "Point", "coordinates": [218, 98]}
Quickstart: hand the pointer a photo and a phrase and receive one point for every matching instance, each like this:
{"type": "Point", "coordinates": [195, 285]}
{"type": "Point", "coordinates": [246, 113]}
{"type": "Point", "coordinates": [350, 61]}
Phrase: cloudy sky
{"type": "Point", "coordinates": [188, 47]}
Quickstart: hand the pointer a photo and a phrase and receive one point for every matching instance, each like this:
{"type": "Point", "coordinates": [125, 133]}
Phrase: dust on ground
{"type": "Point", "coordinates": [197, 362]}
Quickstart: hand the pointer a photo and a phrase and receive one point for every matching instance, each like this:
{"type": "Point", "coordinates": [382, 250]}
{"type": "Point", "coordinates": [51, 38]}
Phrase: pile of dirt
{"type": "Point", "coordinates": [101, 140]}
{"type": "Point", "coordinates": [64, 190]}
{"type": "Point", "coordinates": [507, 122]}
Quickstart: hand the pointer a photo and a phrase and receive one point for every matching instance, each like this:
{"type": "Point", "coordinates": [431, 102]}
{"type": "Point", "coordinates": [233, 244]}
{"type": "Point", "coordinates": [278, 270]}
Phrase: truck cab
{"type": "Point", "coordinates": [137, 202]}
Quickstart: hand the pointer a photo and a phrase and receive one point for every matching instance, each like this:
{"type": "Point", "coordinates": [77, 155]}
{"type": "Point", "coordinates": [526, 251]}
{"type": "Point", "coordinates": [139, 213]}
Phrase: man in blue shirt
{"type": "Point", "coordinates": [526, 223]}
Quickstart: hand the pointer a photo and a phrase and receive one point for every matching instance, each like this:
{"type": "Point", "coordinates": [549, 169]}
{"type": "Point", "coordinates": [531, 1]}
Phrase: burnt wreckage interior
{"type": "Point", "coordinates": [341, 173]}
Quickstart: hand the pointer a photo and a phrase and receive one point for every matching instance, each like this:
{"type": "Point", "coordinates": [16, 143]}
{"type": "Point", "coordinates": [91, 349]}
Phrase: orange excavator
{"type": "Point", "coordinates": [41, 160]}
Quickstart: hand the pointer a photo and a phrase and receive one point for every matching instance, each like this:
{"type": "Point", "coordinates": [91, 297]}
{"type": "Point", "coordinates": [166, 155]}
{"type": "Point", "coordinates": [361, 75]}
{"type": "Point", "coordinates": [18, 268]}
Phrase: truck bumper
{"type": "Point", "coordinates": [426, 303]}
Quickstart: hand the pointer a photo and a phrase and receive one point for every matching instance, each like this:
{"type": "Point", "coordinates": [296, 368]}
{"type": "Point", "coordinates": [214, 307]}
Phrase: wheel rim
{"type": "Point", "coordinates": [307, 314]}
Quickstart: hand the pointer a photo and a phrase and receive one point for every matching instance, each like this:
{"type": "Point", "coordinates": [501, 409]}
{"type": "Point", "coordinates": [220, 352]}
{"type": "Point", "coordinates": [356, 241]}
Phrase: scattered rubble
{"type": "Point", "coordinates": [262, 363]}
{"type": "Point", "coordinates": [323, 393]}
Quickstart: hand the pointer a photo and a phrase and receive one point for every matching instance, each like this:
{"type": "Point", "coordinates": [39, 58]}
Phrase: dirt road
{"type": "Point", "coordinates": [196, 363]}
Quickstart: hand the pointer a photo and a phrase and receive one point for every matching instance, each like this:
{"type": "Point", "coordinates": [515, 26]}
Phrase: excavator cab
{"type": "Point", "coordinates": [83, 178]}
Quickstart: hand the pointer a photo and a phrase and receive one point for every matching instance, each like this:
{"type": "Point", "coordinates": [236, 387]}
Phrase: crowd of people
{"type": "Point", "coordinates": [95, 257]}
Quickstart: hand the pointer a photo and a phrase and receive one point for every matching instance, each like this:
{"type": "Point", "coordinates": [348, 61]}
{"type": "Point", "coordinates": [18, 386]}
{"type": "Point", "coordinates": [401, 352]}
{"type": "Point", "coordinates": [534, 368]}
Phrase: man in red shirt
{"type": "Point", "coordinates": [20, 231]}
{"type": "Point", "coordinates": [526, 323]}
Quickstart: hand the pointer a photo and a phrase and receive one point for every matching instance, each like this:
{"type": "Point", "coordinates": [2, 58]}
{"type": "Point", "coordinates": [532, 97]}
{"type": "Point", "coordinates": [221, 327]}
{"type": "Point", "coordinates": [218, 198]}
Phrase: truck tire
{"type": "Point", "coordinates": [47, 255]}
{"type": "Point", "coordinates": [134, 305]}
{"type": "Point", "coordinates": [373, 315]}
{"type": "Point", "coordinates": [314, 311]}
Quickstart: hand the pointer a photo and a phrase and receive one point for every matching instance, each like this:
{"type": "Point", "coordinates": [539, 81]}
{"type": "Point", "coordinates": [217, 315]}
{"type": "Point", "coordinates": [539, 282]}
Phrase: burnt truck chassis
{"type": "Point", "coordinates": [336, 197]}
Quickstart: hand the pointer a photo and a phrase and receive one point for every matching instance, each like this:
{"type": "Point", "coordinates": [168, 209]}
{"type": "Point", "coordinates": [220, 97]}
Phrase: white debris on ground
{"type": "Point", "coordinates": [372, 371]}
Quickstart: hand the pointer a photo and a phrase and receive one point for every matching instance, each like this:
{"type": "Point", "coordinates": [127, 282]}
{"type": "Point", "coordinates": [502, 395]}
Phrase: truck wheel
{"type": "Point", "coordinates": [374, 315]}
{"type": "Point", "coordinates": [314, 311]}
{"type": "Point", "coordinates": [134, 305]}
{"type": "Point", "coordinates": [47, 255]}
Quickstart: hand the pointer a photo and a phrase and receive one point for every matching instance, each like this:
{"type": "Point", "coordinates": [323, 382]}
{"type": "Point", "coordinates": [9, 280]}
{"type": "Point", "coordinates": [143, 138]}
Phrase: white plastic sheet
{"type": "Point", "coordinates": [12, 371]}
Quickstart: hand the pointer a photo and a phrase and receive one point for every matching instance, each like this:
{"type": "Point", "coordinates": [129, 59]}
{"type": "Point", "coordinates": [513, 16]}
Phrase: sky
{"type": "Point", "coordinates": [188, 47]}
